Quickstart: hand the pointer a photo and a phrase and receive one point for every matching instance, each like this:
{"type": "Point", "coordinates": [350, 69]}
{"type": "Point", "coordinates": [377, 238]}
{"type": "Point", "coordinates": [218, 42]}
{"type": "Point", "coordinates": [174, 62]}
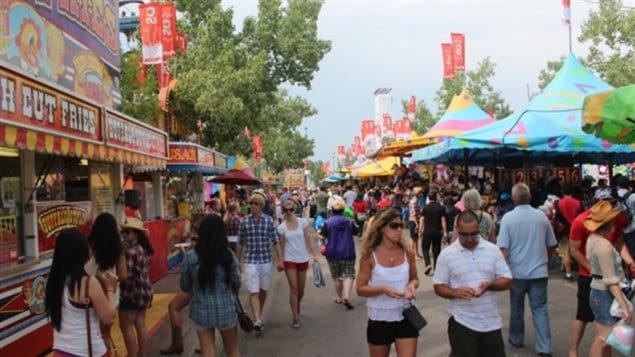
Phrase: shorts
{"type": "Point", "coordinates": [128, 305]}
{"type": "Point", "coordinates": [386, 332]}
{"type": "Point", "coordinates": [563, 246]}
{"type": "Point", "coordinates": [296, 266]}
{"type": "Point", "coordinates": [414, 235]}
{"type": "Point", "coordinates": [342, 269]}
{"type": "Point", "coordinates": [600, 301]}
{"type": "Point", "coordinates": [584, 312]}
{"type": "Point", "coordinates": [258, 277]}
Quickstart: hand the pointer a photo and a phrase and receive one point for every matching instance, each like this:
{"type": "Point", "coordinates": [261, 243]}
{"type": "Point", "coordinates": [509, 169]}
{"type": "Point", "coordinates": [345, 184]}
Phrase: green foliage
{"type": "Point", "coordinates": [547, 74]}
{"type": "Point", "coordinates": [137, 100]}
{"type": "Point", "coordinates": [286, 150]}
{"type": "Point", "coordinates": [424, 120]}
{"type": "Point", "coordinates": [611, 33]}
{"type": "Point", "coordinates": [478, 83]}
{"type": "Point", "coordinates": [315, 167]}
{"type": "Point", "coordinates": [232, 79]}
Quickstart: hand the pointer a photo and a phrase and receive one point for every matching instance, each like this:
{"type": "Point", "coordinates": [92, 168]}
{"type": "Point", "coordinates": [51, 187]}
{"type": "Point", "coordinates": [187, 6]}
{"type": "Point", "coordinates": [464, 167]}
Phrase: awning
{"type": "Point", "coordinates": [205, 170]}
{"type": "Point", "coordinates": [190, 157]}
{"type": "Point", "coordinates": [28, 139]}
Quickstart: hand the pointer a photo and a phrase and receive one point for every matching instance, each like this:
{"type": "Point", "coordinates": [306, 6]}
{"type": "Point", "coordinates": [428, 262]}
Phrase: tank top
{"type": "Point", "coordinates": [383, 307]}
{"type": "Point", "coordinates": [91, 269]}
{"type": "Point", "coordinates": [71, 338]}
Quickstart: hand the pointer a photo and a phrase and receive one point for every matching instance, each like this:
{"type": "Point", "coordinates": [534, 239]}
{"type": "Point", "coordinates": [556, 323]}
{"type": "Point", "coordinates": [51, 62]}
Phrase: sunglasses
{"type": "Point", "coordinates": [289, 209]}
{"type": "Point", "coordinates": [395, 225]}
{"type": "Point", "coordinates": [469, 234]}
{"type": "Point", "coordinates": [125, 231]}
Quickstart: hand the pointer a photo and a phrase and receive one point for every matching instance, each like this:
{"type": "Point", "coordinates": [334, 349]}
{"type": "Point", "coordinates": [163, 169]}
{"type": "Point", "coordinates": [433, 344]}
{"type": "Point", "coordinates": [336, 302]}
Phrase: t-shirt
{"type": "Point", "coordinates": [432, 214]}
{"type": "Point", "coordinates": [569, 208]}
{"type": "Point", "coordinates": [295, 249]}
{"type": "Point", "coordinates": [349, 197]}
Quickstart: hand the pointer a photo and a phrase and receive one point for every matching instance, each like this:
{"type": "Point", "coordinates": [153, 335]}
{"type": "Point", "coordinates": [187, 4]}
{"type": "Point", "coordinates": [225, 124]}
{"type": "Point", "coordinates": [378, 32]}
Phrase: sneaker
{"type": "Point", "coordinates": [569, 277]}
{"type": "Point", "coordinates": [258, 326]}
{"type": "Point", "coordinates": [295, 323]}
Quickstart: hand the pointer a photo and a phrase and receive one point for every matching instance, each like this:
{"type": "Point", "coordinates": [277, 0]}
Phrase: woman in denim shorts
{"type": "Point", "coordinates": [606, 272]}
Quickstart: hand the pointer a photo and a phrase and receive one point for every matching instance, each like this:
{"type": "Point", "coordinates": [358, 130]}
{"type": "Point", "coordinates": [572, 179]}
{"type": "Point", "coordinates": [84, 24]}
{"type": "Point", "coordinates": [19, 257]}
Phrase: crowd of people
{"type": "Point", "coordinates": [473, 244]}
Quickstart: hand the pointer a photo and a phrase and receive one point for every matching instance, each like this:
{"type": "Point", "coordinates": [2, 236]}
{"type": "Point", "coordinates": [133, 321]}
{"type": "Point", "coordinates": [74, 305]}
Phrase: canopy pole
{"type": "Point", "coordinates": [610, 168]}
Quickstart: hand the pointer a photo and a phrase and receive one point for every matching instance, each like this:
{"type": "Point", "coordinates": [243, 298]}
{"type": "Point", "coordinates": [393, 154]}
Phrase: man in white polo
{"type": "Point", "coordinates": [468, 274]}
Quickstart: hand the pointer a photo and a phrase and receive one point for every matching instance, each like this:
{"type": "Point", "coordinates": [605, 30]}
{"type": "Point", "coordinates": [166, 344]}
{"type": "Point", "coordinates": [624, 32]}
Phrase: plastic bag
{"type": "Point", "coordinates": [616, 310]}
{"type": "Point", "coordinates": [621, 338]}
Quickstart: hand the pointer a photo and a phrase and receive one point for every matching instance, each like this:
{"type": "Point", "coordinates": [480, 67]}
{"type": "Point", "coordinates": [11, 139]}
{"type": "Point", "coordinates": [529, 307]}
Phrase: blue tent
{"type": "Point", "coordinates": [548, 129]}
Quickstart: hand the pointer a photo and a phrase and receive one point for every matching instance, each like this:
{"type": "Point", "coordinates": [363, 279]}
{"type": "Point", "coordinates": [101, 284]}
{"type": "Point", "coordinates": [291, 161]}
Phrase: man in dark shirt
{"type": "Point", "coordinates": [433, 226]}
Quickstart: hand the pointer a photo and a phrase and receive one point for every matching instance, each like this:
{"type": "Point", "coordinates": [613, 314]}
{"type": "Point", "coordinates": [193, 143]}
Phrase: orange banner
{"type": "Point", "coordinates": [448, 60]}
{"type": "Point", "coordinates": [150, 19]}
{"type": "Point", "coordinates": [168, 29]}
{"type": "Point", "coordinates": [458, 48]}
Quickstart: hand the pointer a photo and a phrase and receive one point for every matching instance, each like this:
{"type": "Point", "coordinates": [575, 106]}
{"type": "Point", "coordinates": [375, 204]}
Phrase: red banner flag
{"type": "Point", "coordinates": [150, 29]}
{"type": "Point", "coordinates": [164, 77]}
{"type": "Point", "coordinates": [357, 140]}
{"type": "Point", "coordinates": [341, 151]}
{"type": "Point", "coordinates": [448, 60]}
{"type": "Point", "coordinates": [368, 128]}
{"type": "Point", "coordinates": [258, 148]}
{"type": "Point", "coordinates": [566, 4]}
{"type": "Point", "coordinates": [378, 131]}
{"type": "Point", "coordinates": [387, 122]}
{"type": "Point", "coordinates": [326, 167]}
{"type": "Point", "coordinates": [168, 29]}
{"type": "Point", "coordinates": [412, 108]}
{"type": "Point", "coordinates": [181, 42]}
{"type": "Point", "coordinates": [458, 48]}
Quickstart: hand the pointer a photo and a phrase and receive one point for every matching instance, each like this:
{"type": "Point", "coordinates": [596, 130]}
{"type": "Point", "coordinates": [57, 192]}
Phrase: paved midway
{"type": "Point", "coordinates": [327, 329]}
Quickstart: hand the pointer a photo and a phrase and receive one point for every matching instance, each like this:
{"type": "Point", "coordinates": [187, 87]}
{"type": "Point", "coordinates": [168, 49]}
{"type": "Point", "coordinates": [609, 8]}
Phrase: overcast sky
{"type": "Point", "coordinates": [396, 44]}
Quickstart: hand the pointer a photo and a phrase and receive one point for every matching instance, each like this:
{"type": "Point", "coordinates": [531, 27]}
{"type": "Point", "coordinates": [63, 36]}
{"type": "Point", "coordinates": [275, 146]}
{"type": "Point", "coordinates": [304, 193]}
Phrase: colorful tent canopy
{"type": "Point", "coordinates": [461, 116]}
{"type": "Point", "coordinates": [236, 177]}
{"type": "Point", "coordinates": [373, 168]}
{"type": "Point", "coordinates": [336, 178]}
{"type": "Point", "coordinates": [611, 115]}
{"type": "Point", "coordinates": [548, 129]}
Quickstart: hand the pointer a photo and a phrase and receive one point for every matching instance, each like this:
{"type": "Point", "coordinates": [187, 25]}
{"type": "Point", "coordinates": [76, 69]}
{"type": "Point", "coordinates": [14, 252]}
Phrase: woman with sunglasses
{"type": "Point", "coordinates": [136, 291]}
{"type": "Point", "coordinates": [388, 278]}
{"type": "Point", "coordinates": [107, 256]}
{"type": "Point", "coordinates": [295, 240]}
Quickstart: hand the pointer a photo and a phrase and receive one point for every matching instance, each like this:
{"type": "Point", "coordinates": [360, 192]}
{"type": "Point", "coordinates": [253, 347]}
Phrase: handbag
{"type": "Point", "coordinates": [243, 319]}
{"type": "Point", "coordinates": [87, 310]}
{"type": "Point", "coordinates": [414, 317]}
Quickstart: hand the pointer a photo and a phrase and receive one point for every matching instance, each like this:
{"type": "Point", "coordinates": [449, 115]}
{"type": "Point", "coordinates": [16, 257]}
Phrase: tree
{"type": "Point", "coordinates": [548, 74]}
{"type": "Point", "coordinates": [139, 100]}
{"type": "Point", "coordinates": [232, 78]}
{"type": "Point", "coordinates": [286, 151]}
{"type": "Point", "coordinates": [478, 83]}
{"type": "Point", "coordinates": [611, 31]}
{"type": "Point", "coordinates": [316, 173]}
{"type": "Point", "coordinates": [424, 120]}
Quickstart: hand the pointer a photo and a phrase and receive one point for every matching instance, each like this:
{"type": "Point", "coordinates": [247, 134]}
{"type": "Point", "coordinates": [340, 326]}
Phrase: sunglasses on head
{"type": "Point", "coordinates": [395, 225]}
{"type": "Point", "coordinates": [288, 209]}
{"type": "Point", "coordinates": [469, 234]}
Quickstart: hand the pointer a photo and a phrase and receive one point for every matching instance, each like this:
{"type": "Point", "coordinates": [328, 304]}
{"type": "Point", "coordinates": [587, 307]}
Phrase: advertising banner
{"type": "Point", "coordinates": [412, 108]}
{"type": "Point", "coordinates": [52, 218]}
{"type": "Point", "coordinates": [458, 48]}
{"type": "Point", "coordinates": [125, 133]}
{"type": "Point", "coordinates": [74, 44]}
{"type": "Point", "coordinates": [448, 60]}
{"type": "Point", "coordinates": [168, 29]}
{"type": "Point", "coordinates": [150, 21]}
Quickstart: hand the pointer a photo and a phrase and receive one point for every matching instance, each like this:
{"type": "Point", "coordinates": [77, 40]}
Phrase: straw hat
{"type": "Point", "coordinates": [136, 224]}
{"type": "Point", "coordinates": [601, 213]}
{"type": "Point", "coordinates": [338, 205]}
{"type": "Point", "coordinates": [417, 190]}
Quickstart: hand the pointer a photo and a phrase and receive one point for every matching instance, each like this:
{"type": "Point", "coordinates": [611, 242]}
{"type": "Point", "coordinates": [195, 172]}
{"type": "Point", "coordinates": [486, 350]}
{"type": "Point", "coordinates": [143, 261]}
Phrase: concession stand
{"type": "Point", "coordinates": [64, 148]}
{"type": "Point", "coordinates": [186, 196]}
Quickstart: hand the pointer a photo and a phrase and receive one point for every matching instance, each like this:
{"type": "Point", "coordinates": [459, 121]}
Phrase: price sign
{"type": "Point", "coordinates": [574, 175]}
{"type": "Point", "coordinates": [562, 174]}
{"type": "Point", "coordinates": [519, 176]}
{"type": "Point", "coordinates": [534, 175]}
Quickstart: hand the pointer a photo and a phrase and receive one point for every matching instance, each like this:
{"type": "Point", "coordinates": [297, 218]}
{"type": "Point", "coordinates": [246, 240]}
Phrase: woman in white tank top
{"type": "Point", "coordinates": [388, 278]}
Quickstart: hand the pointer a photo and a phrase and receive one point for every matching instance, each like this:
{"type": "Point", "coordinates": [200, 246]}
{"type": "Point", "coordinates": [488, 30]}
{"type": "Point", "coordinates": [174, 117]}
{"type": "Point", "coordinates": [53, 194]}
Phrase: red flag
{"type": "Point", "coordinates": [368, 128]}
{"type": "Point", "coordinates": [387, 122]}
{"type": "Point", "coordinates": [458, 48]}
{"type": "Point", "coordinates": [164, 77]}
{"type": "Point", "coordinates": [326, 167]}
{"type": "Point", "coordinates": [357, 140]}
{"type": "Point", "coordinates": [168, 29]}
{"type": "Point", "coordinates": [378, 131]}
{"type": "Point", "coordinates": [258, 148]}
{"type": "Point", "coordinates": [566, 4]}
{"type": "Point", "coordinates": [412, 108]}
{"type": "Point", "coordinates": [448, 60]}
{"type": "Point", "coordinates": [181, 42]}
{"type": "Point", "coordinates": [341, 151]}
{"type": "Point", "coordinates": [150, 28]}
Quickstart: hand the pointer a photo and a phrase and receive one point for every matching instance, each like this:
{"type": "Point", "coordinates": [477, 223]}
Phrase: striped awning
{"type": "Point", "coordinates": [28, 139]}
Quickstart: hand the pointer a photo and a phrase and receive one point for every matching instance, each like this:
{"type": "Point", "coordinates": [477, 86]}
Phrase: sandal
{"type": "Point", "coordinates": [348, 305]}
{"type": "Point", "coordinates": [337, 300]}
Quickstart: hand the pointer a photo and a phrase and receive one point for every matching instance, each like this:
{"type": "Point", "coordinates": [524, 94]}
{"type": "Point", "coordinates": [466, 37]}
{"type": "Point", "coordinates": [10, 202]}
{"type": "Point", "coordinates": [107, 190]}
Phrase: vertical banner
{"type": "Point", "coordinates": [168, 29]}
{"type": "Point", "coordinates": [258, 148]}
{"type": "Point", "coordinates": [448, 60]}
{"type": "Point", "coordinates": [357, 141]}
{"type": "Point", "coordinates": [150, 28]}
{"type": "Point", "coordinates": [326, 167]}
{"type": "Point", "coordinates": [163, 74]}
{"type": "Point", "coordinates": [388, 126]}
{"type": "Point", "coordinates": [412, 108]}
{"type": "Point", "coordinates": [181, 42]}
{"type": "Point", "coordinates": [566, 20]}
{"type": "Point", "coordinates": [458, 51]}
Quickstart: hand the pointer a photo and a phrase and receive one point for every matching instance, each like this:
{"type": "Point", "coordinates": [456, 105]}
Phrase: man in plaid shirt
{"type": "Point", "coordinates": [256, 233]}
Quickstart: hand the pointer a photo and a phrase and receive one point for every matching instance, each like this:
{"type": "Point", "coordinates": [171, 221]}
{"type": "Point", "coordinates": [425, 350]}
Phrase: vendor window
{"type": "Point", "coordinates": [61, 178]}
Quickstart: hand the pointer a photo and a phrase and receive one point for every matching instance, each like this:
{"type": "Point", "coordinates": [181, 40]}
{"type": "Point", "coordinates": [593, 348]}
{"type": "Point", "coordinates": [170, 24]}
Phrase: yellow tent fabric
{"type": "Point", "coordinates": [373, 168]}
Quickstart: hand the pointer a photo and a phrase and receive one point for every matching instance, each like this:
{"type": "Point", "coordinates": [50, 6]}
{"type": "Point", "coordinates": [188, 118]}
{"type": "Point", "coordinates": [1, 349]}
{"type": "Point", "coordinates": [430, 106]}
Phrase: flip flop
{"type": "Point", "coordinates": [337, 301]}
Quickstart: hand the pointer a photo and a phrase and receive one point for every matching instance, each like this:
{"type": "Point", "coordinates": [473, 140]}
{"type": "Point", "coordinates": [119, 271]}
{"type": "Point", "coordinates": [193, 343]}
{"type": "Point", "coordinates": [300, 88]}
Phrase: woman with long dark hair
{"type": "Point", "coordinates": [136, 291]}
{"type": "Point", "coordinates": [388, 278]}
{"type": "Point", "coordinates": [107, 256]}
{"type": "Point", "coordinates": [68, 290]}
{"type": "Point", "coordinates": [211, 276]}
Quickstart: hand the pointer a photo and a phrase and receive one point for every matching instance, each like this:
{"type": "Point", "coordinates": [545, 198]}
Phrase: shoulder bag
{"type": "Point", "coordinates": [87, 310]}
{"type": "Point", "coordinates": [243, 319]}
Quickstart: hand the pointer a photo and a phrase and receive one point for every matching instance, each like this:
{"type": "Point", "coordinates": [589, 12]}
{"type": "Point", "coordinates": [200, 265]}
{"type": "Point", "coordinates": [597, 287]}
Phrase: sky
{"type": "Point", "coordinates": [396, 44]}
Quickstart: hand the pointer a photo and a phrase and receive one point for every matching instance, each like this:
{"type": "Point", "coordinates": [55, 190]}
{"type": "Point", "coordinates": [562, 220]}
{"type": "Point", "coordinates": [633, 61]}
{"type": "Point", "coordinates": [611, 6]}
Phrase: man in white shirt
{"type": "Point", "coordinates": [469, 272]}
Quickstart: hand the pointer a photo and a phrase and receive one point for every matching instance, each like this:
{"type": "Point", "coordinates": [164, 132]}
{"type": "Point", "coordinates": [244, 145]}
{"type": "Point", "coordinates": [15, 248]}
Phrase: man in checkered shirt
{"type": "Point", "coordinates": [256, 233]}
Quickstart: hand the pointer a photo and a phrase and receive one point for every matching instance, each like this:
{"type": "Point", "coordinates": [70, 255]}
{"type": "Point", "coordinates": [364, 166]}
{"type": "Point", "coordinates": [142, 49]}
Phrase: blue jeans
{"type": "Point", "coordinates": [537, 290]}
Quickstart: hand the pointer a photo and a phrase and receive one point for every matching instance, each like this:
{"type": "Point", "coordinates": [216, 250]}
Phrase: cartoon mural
{"type": "Point", "coordinates": [71, 43]}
